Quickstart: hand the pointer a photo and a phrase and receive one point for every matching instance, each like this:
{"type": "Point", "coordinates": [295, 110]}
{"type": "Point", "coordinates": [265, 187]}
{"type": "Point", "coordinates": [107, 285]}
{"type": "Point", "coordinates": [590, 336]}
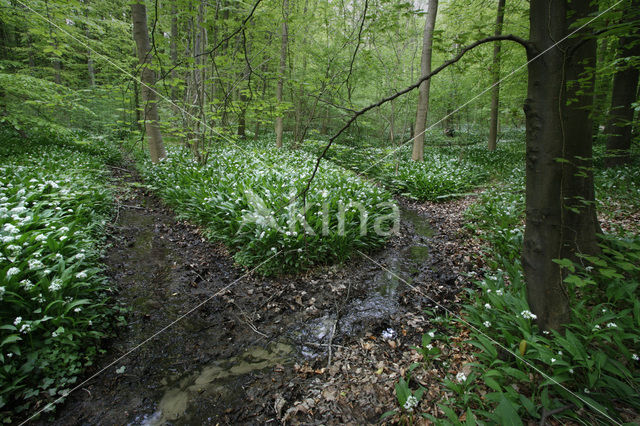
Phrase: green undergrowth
{"type": "Point", "coordinates": [446, 172]}
{"type": "Point", "coordinates": [246, 197]}
{"type": "Point", "coordinates": [588, 374]}
{"type": "Point", "coordinates": [54, 297]}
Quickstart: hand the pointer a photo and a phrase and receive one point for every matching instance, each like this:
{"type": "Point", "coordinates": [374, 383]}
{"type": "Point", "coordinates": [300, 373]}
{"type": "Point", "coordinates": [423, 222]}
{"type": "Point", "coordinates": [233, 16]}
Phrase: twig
{"type": "Point", "coordinates": [510, 37]}
{"type": "Point", "coordinates": [553, 412]}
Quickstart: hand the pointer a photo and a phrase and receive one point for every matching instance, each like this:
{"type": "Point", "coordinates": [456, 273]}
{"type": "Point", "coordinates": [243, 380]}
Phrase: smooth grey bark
{"type": "Point", "coordinates": [423, 95]}
{"type": "Point", "coordinates": [495, 70]}
{"type": "Point", "coordinates": [556, 130]}
{"type": "Point", "coordinates": [57, 65]}
{"type": "Point", "coordinates": [151, 116]}
{"type": "Point", "coordinates": [281, 71]}
{"type": "Point", "coordinates": [173, 49]}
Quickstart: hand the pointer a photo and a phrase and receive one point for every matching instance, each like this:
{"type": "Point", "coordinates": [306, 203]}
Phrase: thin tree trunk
{"type": "Point", "coordinates": [602, 88]}
{"type": "Point", "coordinates": [495, 92]}
{"type": "Point", "coordinates": [423, 96]}
{"type": "Point", "coordinates": [173, 49]}
{"type": "Point", "coordinates": [625, 87]}
{"type": "Point", "coordinates": [57, 66]}
{"type": "Point", "coordinates": [141, 37]}
{"type": "Point", "coordinates": [281, 71]}
{"type": "Point", "coordinates": [90, 68]}
{"type": "Point", "coordinates": [555, 130]}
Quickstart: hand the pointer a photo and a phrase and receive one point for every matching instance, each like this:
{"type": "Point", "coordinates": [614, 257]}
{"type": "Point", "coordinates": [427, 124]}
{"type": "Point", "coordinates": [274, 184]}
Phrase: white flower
{"type": "Point", "coordinates": [27, 284]}
{"type": "Point", "coordinates": [12, 271]}
{"type": "Point", "coordinates": [432, 334]}
{"type": "Point", "coordinates": [17, 321]}
{"type": "Point", "coordinates": [586, 390]}
{"type": "Point", "coordinates": [635, 357]}
{"type": "Point", "coordinates": [69, 21]}
{"type": "Point", "coordinates": [77, 310]}
{"type": "Point", "coordinates": [612, 325]}
{"type": "Point", "coordinates": [487, 323]}
{"type": "Point", "coordinates": [2, 291]}
{"type": "Point", "coordinates": [429, 346]}
{"type": "Point", "coordinates": [499, 292]}
{"type": "Point", "coordinates": [10, 228]}
{"type": "Point", "coordinates": [389, 333]}
{"type": "Point", "coordinates": [596, 327]}
{"type": "Point", "coordinates": [571, 370]}
{"type": "Point", "coordinates": [487, 306]}
{"type": "Point", "coordinates": [560, 353]}
{"type": "Point", "coordinates": [35, 264]}
{"type": "Point", "coordinates": [528, 315]}
{"type": "Point", "coordinates": [25, 328]}
{"type": "Point", "coordinates": [461, 377]}
{"type": "Point", "coordinates": [81, 275]}
{"type": "Point", "coordinates": [411, 402]}
{"type": "Point", "coordinates": [41, 237]}
{"type": "Point", "coordinates": [80, 256]}
{"type": "Point", "coordinates": [55, 285]}
{"type": "Point", "coordinates": [553, 360]}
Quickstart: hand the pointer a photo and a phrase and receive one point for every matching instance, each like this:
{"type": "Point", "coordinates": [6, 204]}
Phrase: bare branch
{"type": "Point", "coordinates": [509, 37]}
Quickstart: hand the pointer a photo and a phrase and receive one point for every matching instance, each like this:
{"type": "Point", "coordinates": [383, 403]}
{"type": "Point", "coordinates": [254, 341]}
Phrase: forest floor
{"type": "Point", "coordinates": [323, 347]}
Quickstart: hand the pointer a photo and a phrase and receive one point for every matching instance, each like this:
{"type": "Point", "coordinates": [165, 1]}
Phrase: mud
{"type": "Point", "coordinates": [253, 353]}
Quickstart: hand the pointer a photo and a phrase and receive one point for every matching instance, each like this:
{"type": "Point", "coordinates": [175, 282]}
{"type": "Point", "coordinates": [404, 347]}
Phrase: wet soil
{"type": "Point", "coordinates": [326, 346]}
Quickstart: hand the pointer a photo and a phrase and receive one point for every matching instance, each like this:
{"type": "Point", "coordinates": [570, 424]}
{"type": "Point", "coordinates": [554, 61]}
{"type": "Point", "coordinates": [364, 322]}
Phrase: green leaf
{"type": "Point", "coordinates": [10, 339]}
{"type": "Point", "coordinates": [507, 415]}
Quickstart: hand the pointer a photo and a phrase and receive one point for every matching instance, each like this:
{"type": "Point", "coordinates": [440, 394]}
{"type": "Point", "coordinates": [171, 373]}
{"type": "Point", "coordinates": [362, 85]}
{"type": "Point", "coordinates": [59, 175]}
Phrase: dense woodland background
{"type": "Point", "coordinates": [225, 105]}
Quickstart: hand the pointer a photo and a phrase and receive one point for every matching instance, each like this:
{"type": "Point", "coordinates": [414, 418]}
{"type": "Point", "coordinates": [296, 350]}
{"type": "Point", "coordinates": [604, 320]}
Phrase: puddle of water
{"type": "Point", "coordinates": [420, 224]}
{"type": "Point", "coordinates": [217, 379]}
{"type": "Point", "coordinates": [381, 302]}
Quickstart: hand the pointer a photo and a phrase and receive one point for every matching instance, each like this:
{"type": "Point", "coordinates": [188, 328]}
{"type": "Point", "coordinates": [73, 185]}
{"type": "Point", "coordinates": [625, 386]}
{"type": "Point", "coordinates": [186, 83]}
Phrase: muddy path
{"type": "Point", "coordinates": [259, 352]}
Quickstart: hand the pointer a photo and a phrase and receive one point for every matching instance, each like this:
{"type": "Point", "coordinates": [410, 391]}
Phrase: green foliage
{"type": "Point", "coordinates": [53, 294]}
{"type": "Point", "coordinates": [246, 198]}
{"type": "Point", "coordinates": [439, 177]}
{"type": "Point", "coordinates": [596, 358]}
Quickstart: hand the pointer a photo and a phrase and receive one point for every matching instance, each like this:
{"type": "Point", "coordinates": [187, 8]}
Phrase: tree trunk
{"type": "Point", "coordinates": [200, 39]}
{"type": "Point", "coordinates": [580, 224]}
{"type": "Point", "coordinates": [281, 71]}
{"type": "Point", "coordinates": [173, 49]}
{"type": "Point", "coordinates": [555, 131]}
{"type": "Point", "coordinates": [141, 37]}
{"type": "Point", "coordinates": [625, 87]}
{"type": "Point", "coordinates": [495, 92]}
{"type": "Point", "coordinates": [602, 88]}
{"type": "Point", "coordinates": [423, 96]}
{"type": "Point", "coordinates": [57, 65]}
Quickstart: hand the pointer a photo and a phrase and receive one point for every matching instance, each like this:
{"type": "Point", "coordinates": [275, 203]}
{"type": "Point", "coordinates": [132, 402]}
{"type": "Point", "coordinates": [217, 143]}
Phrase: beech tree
{"type": "Point", "coordinates": [423, 95]}
{"type": "Point", "coordinates": [560, 210]}
{"type": "Point", "coordinates": [495, 71]}
{"type": "Point", "coordinates": [625, 88]}
{"type": "Point", "coordinates": [281, 71]}
{"type": "Point", "coordinates": [151, 116]}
